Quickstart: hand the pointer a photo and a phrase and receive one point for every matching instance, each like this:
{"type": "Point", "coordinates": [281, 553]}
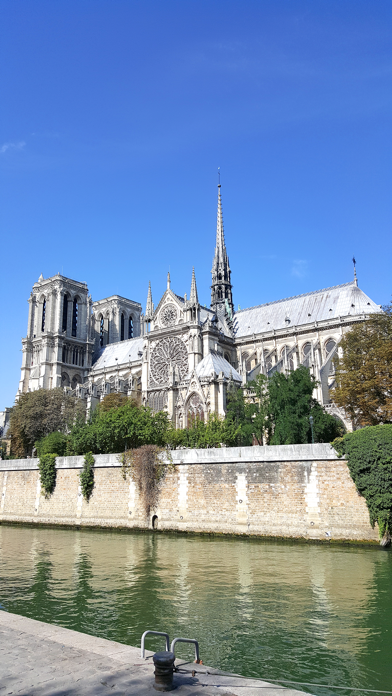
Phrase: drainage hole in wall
{"type": "Point", "coordinates": [154, 521]}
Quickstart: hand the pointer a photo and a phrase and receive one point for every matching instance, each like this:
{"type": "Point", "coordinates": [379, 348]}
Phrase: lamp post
{"type": "Point", "coordinates": [311, 427]}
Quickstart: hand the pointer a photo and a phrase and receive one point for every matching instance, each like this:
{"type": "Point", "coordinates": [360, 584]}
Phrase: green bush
{"type": "Point", "coordinates": [369, 456]}
{"type": "Point", "coordinates": [87, 476]}
{"type": "Point", "coordinates": [47, 470]}
{"type": "Point", "coordinates": [55, 443]}
{"type": "Point", "coordinates": [126, 427]}
{"type": "Point", "coordinates": [199, 434]}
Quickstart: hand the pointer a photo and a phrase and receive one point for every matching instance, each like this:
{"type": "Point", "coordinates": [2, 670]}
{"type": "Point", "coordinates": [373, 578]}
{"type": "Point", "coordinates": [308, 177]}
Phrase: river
{"type": "Point", "coordinates": [306, 612]}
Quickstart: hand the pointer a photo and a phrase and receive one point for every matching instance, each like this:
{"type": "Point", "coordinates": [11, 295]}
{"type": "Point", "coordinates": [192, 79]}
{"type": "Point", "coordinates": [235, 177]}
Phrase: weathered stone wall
{"type": "Point", "coordinates": [300, 491]}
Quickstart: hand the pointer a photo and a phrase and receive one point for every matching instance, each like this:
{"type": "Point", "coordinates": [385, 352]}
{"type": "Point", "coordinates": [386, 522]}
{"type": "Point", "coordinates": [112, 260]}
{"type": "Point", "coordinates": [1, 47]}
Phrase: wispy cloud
{"type": "Point", "coordinates": [299, 268]}
{"type": "Point", "coordinates": [12, 146]}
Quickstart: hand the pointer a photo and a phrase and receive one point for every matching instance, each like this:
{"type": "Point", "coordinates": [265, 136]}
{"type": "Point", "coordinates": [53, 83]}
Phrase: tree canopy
{"type": "Point", "coordinates": [39, 413]}
{"type": "Point", "coordinates": [119, 428]}
{"type": "Point", "coordinates": [277, 411]}
{"type": "Point", "coordinates": [364, 372]}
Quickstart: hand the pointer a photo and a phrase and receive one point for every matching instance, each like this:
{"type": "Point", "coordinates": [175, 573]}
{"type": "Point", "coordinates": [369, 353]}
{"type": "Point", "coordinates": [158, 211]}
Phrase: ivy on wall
{"type": "Point", "coordinates": [147, 466]}
{"type": "Point", "coordinates": [369, 456]}
{"type": "Point", "coordinates": [87, 476]}
{"type": "Point", "coordinates": [47, 472]}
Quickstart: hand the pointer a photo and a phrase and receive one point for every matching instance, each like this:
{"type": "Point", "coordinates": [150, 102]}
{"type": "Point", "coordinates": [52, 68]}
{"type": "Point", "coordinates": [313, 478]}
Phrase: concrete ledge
{"type": "Point", "coordinates": [43, 659]}
{"type": "Point", "coordinates": [223, 455]}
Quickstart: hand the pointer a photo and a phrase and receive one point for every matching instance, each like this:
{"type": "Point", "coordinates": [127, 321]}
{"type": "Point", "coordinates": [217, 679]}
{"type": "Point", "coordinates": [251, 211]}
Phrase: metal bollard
{"type": "Point", "coordinates": [164, 665]}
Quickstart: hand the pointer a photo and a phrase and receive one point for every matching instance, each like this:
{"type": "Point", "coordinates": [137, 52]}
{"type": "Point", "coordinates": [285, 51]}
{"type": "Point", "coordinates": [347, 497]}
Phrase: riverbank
{"type": "Point", "coordinates": [290, 491]}
{"type": "Point", "coordinates": [41, 659]}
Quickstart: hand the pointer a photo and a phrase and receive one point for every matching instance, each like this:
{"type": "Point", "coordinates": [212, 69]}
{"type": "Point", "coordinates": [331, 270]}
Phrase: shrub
{"type": "Point", "coordinates": [369, 456]}
{"type": "Point", "coordinates": [47, 470]}
{"type": "Point", "coordinates": [87, 476]}
{"type": "Point", "coordinates": [127, 426]}
{"type": "Point", "coordinates": [55, 443]}
{"type": "Point", "coordinates": [213, 432]}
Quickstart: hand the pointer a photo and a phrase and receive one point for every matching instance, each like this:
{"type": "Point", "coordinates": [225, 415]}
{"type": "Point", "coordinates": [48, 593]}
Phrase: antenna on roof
{"type": "Point", "coordinates": [355, 272]}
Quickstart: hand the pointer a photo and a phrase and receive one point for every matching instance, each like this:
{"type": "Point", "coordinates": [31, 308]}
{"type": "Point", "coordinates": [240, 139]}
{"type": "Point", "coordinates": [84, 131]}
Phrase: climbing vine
{"type": "Point", "coordinates": [47, 471]}
{"type": "Point", "coordinates": [369, 456]}
{"type": "Point", "coordinates": [147, 466]}
{"type": "Point", "coordinates": [87, 476]}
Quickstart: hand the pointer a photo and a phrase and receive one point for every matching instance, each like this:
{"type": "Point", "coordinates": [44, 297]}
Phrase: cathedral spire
{"type": "Point", "coordinates": [149, 305]}
{"type": "Point", "coordinates": [193, 298]}
{"type": "Point", "coordinates": [221, 288]}
{"type": "Point", "coordinates": [168, 280]}
{"type": "Point", "coordinates": [355, 271]}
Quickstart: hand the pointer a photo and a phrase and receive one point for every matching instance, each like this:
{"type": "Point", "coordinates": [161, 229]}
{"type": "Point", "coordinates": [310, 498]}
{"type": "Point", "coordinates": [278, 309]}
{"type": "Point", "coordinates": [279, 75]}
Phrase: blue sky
{"type": "Point", "coordinates": [115, 116]}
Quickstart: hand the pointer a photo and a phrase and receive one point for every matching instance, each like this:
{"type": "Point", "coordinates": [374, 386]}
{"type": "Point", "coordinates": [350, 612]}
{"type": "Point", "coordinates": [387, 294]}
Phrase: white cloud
{"type": "Point", "coordinates": [299, 268]}
{"type": "Point", "coordinates": [12, 146]}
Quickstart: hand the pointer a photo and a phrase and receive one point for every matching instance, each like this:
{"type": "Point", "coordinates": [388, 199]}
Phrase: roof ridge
{"type": "Point", "coordinates": [294, 297]}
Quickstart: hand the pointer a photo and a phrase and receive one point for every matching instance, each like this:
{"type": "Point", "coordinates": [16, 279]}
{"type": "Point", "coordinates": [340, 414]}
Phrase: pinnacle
{"type": "Point", "coordinates": [193, 296]}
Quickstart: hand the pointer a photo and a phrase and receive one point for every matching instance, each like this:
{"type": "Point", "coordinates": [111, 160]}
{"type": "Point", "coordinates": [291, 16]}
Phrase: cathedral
{"type": "Point", "coordinates": [180, 356]}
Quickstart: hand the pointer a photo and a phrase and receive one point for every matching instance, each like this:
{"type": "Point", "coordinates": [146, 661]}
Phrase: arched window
{"type": "Point", "coordinates": [75, 381]}
{"type": "Point", "coordinates": [330, 345]}
{"type": "Point", "coordinates": [43, 315]}
{"type": "Point", "coordinates": [65, 313]}
{"type": "Point", "coordinates": [64, 354]}
{"type": "Point", "coordinates": [130, 328]}
{"type": "Point", "coordinates": [75, 317]}
{"type": "Point", "coordinates": [122, 328]}
{"type": "Point", "coordinates": [248, 363]}
{"type": "Point", "coordinates": [101, 330]}
{"type": "Point", "coordinates": [306, 350]}
{"type": "Point", "coordinates": [65, 381]}
{"type": "Point", "coordinates": [194, 409]}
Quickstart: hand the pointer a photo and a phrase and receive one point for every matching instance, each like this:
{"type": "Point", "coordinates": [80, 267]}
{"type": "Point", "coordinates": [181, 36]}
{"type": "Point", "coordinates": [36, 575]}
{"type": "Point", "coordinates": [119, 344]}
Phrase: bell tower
{"type": "Point", "coordinates": [221, 288]}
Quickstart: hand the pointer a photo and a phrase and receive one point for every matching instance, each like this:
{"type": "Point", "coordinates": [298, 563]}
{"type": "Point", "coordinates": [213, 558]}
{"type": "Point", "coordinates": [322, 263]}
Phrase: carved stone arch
{"type": "Point", "coordinates": [194, 408]}
{"type": "Point", "coordinates": [76, 379]}
{"type": "Point", "coordinates": [65, 380]}
{"type": "Point", "coordinates": [328, 347]}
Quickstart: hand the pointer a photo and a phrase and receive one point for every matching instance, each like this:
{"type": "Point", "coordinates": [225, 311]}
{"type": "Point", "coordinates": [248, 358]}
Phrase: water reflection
{"type": "Point", "coordinates": [303, 612]}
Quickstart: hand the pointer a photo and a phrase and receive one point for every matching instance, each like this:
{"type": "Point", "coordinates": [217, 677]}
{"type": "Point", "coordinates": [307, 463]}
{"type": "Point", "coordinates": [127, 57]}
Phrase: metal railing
{"type": "Point", "coordinates": [155, 633]}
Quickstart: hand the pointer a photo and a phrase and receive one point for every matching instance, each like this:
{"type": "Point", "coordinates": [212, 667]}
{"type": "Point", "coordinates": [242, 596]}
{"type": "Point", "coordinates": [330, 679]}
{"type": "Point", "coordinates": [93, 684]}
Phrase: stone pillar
{"type": "Point", "coordinates": [32, 309]}
{"type": "Point", "coordinates": [221, 395]}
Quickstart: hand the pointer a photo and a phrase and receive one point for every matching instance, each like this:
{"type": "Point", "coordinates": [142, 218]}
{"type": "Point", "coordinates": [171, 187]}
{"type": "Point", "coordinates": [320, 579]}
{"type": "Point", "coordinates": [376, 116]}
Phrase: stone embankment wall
{"type": "Point", "coordinates": [298, 491]}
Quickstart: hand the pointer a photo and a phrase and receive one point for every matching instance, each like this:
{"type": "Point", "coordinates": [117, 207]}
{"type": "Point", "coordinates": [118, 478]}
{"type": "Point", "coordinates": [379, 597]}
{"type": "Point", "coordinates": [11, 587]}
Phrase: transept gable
{"type": "Point", "coordinates": [170, 310]}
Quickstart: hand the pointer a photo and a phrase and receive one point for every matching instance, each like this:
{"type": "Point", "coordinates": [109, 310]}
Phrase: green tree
{"type": "Point", "coordinates": [364, 372]}
{"type": "Point", "coordinates": [291, 404]}
{"type": "Point", "coordinates": [125, 427]}
{"type": "Point", "coordinates": [239, 414]}
{"type": "Point", "coordinates": [54, 443]}
{"type": "Point", "coordinates": [213, 432]}
{"type": "Point", "coordinates": [38, 413]}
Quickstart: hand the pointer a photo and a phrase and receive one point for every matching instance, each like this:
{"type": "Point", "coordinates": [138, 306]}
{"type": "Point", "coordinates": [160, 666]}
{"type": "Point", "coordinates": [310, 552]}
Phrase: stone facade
{"type": "Point", "coordinates": [293, 491]}
{"type": "Point", "coordinates": [181, 356]}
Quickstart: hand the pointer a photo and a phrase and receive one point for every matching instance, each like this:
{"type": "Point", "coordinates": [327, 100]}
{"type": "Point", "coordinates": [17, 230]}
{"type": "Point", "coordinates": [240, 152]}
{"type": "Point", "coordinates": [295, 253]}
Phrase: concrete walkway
{"type": "Point", "coordinates": [38, 659]}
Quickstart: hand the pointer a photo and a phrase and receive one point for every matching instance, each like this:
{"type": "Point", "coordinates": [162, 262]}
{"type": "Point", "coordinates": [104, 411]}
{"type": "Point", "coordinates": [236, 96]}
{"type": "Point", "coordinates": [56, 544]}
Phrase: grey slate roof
{"type": "Point", "coordinates": [124, 351]}
{"type": "Point", "coordinates": [213, 362]}
{"type": "Point", "coordinates": [320, 305]}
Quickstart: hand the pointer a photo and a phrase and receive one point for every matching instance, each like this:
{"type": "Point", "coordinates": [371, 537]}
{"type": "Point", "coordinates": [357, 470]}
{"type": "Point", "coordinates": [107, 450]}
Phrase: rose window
{"type": "Point", "coordinates": [168, 315]}
{"type": "Point", "coordinates": [169, 351]}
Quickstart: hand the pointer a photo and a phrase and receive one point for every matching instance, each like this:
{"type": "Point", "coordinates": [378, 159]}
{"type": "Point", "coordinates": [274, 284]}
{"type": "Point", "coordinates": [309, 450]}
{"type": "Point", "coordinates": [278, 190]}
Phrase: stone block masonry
{"type": "Point", "coordinates": [290, 491]}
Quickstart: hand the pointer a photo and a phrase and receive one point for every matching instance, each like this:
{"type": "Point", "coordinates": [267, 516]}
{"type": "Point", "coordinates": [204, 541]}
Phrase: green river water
{"type": "Point", "coordinates": [306, 612]}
